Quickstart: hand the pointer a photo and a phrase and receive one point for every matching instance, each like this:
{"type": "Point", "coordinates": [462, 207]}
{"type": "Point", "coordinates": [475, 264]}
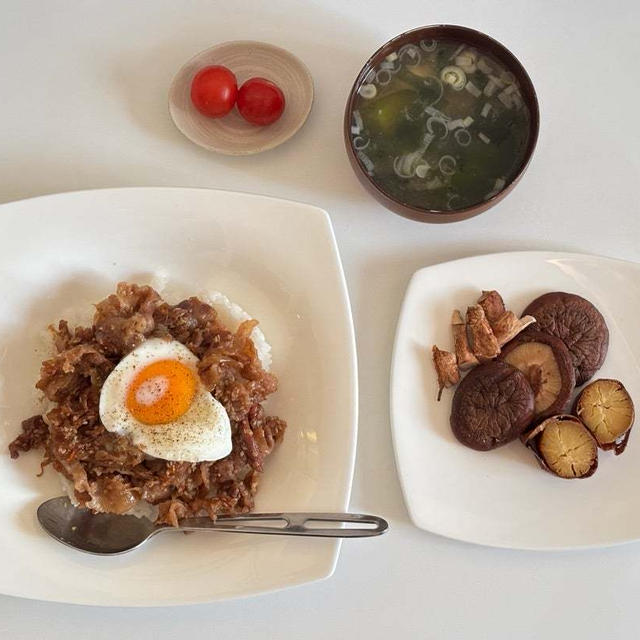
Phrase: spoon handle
{"type": "Point", "coordinates": [293, 524]}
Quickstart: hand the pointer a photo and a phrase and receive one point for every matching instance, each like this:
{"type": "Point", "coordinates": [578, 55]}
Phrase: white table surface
{"type": "Point", "coordinates": [84, 105]}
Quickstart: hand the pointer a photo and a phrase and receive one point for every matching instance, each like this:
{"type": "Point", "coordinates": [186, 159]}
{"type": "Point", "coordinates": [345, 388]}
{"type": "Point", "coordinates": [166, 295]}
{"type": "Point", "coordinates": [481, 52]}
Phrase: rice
{"type": "Point", "coordinates": [232, 315]}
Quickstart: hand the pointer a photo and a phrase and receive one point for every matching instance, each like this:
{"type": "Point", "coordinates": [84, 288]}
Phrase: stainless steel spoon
{"type": "Point", "coordinates": [110, 534]}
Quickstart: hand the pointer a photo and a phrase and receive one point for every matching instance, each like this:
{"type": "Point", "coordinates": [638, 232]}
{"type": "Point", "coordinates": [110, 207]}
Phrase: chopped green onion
{"type": "Point", "coordinates": [507, 76]}
{"type": "Point", "coordinates": [447, 164]}
{"type": "Point", "coordinates": [422, 170]}
{"type": "Point", "coordinates": [468, 121]}
{"type": "Point", "coordinates": [443, 123]}
{"type": "Point", "coordinates": [366, 161]}
{"type": "Point", "coordinates": [368, 91]}
{"type": "Point", "coordinates": [490, 88]}
{"type": "Point", "coordinates": [390, 66]}
{"type": "Point", "coordinates": [472, 89]}
{"type": "Point", "coordinates": [484, 66]}
{"type": "Point", "coordinates": [467, 61]}
{"type": "Point", "coordinates": [484, 138]}
{"type": "Point", "coordinates": [456, 52]}
{"type": "Point", "coordinates": [428, 45]}
{"type": "Point", "coordinates": [360, 143]}
{"type": "Point", "coordinates": [412, 52]}
{"type": "Point", "coordinates": [357, 120]}
{"type": "Point", "coordinates": [454, 197]}
{"type": "Point", "coordinates": [463, 137]}
{"type": "Point", "coordinates": [435, 113]}
{"type": "Point", "coordinates": [485, 109]}
{"type": "Point", "coordinates": [383, 77]}
{"type": "Point", "coordinates": [454, 76]}
{"type": "Point", "coordinates": [398, 168]}
{"type": "Point", "coordinates": [426, 141]}
{"type": "Point", "coordinates": [405, 166]}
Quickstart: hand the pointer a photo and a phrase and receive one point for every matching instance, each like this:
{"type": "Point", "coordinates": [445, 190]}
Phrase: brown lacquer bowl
{"type": "Point", "coordinates": [484, 44]}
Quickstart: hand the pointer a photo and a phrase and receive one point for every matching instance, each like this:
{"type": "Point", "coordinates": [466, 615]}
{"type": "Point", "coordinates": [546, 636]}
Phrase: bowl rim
{"type": "Point", "coordinates": [531, 100]}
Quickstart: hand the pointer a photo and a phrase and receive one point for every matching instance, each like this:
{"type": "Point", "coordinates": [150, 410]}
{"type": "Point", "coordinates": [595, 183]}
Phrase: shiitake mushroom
{"type": "Point", "coordinates": [606, 409]}
{"type": "Point", "coordinates": [564, 446]}
{"type": "Point", "coordinates": [546, 362]}
{"type": "Point", "coordinates": [493, 305]}
{"type": "Point", "coordinates": [446, 369]}
{"type": "Point", "coordinates": [578, 324]}
{"type": "Point", "coordinates": [492, 406]}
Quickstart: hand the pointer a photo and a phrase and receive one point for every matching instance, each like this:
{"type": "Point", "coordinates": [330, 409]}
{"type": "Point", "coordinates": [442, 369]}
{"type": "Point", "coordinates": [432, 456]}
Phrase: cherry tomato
{"type": "Point", "coordinates": [214, 91]}
{"type": "Point", "coordinates": [260, 101]}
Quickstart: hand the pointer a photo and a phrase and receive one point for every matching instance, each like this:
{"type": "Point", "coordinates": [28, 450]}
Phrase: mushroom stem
{"type": "Point", "coordinates": [508, 326]}
{"type": "Point", "coordinates": [483, 342]}
{"type": "Point", "coordinates": [492, 304]}
{"type": "Point", "coordinates": [464, 355]}
{"type": "Point", "coordinates": [446, 369]}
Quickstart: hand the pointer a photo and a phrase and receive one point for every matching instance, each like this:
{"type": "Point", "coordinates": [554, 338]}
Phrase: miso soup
{"type": "Point", "coordinates": [440, 125]}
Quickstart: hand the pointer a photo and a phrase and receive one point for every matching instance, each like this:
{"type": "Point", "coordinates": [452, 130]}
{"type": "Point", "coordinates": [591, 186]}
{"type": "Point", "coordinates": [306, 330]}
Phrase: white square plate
{"type": "Point", "coordinates": [502, 498]}
{"type": "Point", "coordinates": [276, 259]}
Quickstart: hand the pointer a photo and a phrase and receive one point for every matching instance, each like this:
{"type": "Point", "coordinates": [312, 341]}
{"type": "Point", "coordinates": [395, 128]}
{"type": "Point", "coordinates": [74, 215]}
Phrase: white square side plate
{"type": "Point", "coordinates": [276, 259]}
{"type": "Point", "coordinates": [502, 498]}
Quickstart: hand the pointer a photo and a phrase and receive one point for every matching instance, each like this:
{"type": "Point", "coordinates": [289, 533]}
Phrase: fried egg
{"type": "Point", "coordinates": [155, 397]}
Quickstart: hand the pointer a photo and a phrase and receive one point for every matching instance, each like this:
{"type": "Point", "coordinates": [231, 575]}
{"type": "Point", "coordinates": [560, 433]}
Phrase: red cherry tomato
{"type": "Point", "coordinates": [260, 101]}
{"type": "Point", "coordinates": [214, 91]}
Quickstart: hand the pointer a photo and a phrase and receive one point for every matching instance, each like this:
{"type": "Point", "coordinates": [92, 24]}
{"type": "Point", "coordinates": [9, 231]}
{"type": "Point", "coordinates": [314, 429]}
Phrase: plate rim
{"type": "Point", "coordinates": [441, 532]}
{"type": "Point", "coordinates": [352, 365]}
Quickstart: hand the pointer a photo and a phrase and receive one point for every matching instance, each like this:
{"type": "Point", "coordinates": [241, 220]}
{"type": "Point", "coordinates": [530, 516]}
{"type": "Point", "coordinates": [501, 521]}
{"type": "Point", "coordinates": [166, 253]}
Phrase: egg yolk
{"type": "Point", "coordinates": [161, 392]}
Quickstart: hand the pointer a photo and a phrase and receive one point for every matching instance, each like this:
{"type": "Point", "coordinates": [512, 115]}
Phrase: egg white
{"type": "Point", "coordinates": [202, 433]}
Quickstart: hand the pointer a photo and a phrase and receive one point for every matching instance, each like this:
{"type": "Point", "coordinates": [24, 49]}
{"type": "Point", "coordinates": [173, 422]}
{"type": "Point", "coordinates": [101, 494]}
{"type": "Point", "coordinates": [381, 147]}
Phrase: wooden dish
{"type": "Point", "coordinates": [232, 135]}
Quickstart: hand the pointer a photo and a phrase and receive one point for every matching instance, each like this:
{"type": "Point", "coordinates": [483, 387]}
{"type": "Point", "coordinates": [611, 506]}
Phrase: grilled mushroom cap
{"type": "Point", "coordinates": [564, 447]}
{"type": "Point", "coordinates": [606, 409]}
{"type": "Point", "coordinates": [546, 362]}
{"type": "Point", "coordinates": [492, 405]}
{"type": "Point", "coordinates": [578, 324]}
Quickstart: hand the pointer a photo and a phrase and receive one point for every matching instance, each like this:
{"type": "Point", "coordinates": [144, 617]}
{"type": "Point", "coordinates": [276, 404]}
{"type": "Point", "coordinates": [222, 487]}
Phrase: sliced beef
{"type": "Point", "coordinates": [35, 433]}
{"type": "Point", "coordinates": [125, 319]}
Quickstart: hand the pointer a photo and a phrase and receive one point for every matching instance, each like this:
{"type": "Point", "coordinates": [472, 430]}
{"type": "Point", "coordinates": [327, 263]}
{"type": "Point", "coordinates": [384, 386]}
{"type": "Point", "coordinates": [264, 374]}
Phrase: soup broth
{"type": "Point", "coordinates": [440, 125]}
